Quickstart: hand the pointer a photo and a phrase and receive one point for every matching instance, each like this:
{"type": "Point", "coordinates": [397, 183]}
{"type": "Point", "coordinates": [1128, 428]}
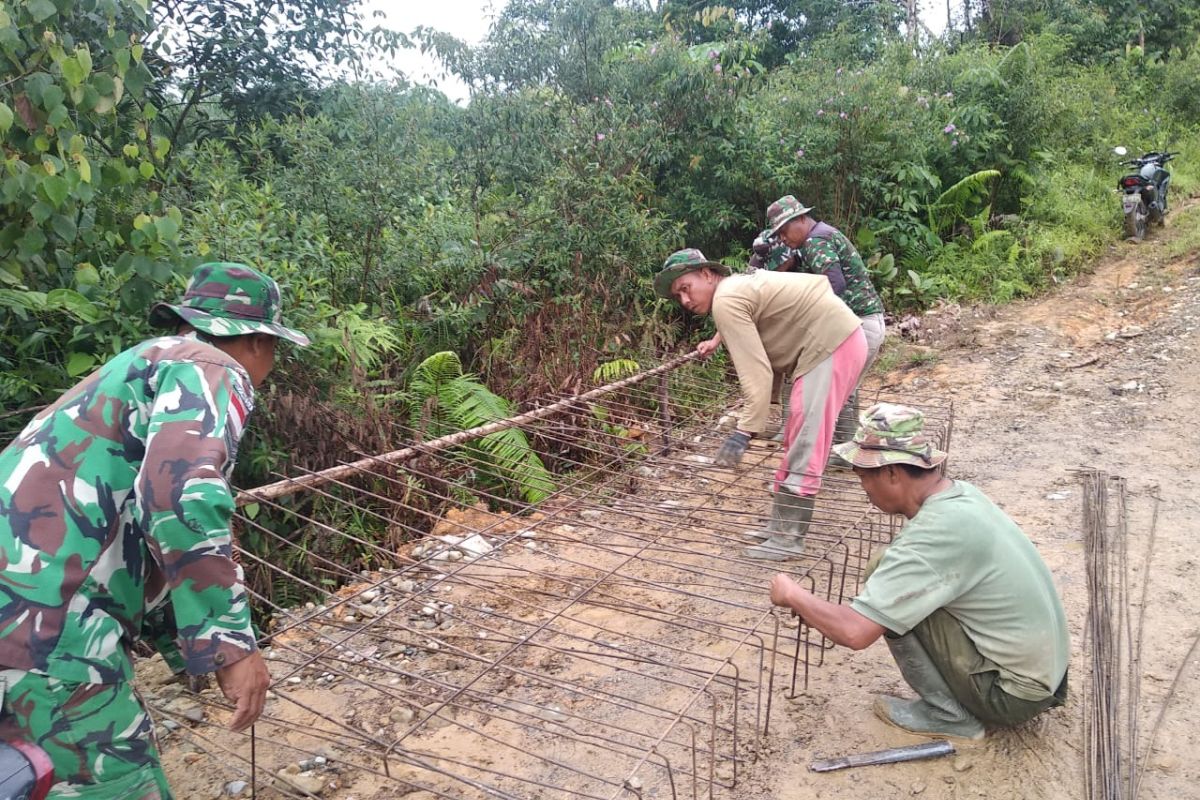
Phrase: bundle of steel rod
{"type": "Point", "coordinates": [610, 640]}
{"type": "Point", "coordinates": [1104, 545]}
{"type": "Point", "coordinates": [1113, 698]}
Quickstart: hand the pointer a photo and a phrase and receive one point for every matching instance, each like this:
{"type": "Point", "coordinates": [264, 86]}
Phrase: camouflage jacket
{"type": "Point", "coordinates": [827, 250]}
{"type": "Point", "coordinates": [114, 504]}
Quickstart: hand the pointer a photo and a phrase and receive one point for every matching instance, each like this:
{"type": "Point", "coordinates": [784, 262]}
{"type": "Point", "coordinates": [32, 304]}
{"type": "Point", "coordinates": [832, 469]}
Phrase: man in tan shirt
{"type": "Point", "coordinates": [777, 322]}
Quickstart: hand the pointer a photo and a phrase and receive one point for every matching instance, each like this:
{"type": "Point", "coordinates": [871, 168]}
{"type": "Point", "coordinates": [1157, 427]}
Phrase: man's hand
{"type": "Point", "coordinates": [732, 451]}
{"type": "Point", "coordinates": [783, 589]}
{"type": "Point", "coordinates": [245, 683]}
{"type": "Point", "coordinates": [709, 346]}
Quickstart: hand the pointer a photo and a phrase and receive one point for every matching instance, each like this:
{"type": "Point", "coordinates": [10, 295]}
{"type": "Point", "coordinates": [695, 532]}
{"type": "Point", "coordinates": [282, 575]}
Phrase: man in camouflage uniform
{"type": "Point", "coordinates": [967, 607]}
{"type": "Point", "coordinates": [821, 249]}
{"type": "Point", "coordinates": [115, 513]}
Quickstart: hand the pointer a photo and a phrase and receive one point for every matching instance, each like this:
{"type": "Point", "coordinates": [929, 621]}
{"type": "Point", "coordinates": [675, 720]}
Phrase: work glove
{"type": "Point", "coordinates": [732, 451]}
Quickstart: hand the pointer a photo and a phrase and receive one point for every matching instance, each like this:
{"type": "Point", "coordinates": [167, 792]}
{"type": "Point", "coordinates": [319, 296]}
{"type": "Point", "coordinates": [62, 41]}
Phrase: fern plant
{"type": "Point", "coordinates": [443, 399]}
{"type": "Point", "coordinates": [953, 204]}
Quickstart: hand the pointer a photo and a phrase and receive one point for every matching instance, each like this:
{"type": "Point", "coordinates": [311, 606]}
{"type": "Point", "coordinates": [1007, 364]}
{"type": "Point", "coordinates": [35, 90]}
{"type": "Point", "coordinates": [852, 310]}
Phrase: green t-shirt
{"type": "Point", "coordinates": [962, 553]}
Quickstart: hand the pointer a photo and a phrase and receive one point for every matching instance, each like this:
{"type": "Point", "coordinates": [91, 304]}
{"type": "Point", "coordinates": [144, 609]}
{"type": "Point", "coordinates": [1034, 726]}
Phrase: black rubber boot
{"type": "Point", "coordinates": [936, 713]}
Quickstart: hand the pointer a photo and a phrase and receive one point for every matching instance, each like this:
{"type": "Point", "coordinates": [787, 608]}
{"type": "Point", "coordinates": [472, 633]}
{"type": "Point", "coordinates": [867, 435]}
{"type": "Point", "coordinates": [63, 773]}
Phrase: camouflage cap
{"type": "Point", "coordinates": [227, 299]}
{"type": "Point", "coordinates": [682, 262]}
{"type": "Point", "coordinates": [891, 434]}
{"type": "Point", "coordinates": [782, 211]}
{"type": "Point", "coordinates": [777, 253]}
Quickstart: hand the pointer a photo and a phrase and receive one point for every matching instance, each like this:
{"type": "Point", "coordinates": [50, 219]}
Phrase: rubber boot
{"type": "Point", "coordinates": [791, 515]}
{"type": "Point", "coordinates": [785, 403]}
{"type": "Point", "coordinates": [935, 713]}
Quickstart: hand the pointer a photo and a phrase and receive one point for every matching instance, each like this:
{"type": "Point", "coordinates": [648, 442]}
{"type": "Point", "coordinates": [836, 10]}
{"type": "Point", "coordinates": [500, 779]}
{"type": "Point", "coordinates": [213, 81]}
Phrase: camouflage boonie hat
{"type": "Point", "coordinates": [776, 256]}
{"type": "Point", "coordinates": [783, 211]}
{"type": "Point", "coordinates": [890, 434]}
{"type": "Point", "coordinates": [227, 299]}
{"type": "Point", "coordinates": [682, 262]}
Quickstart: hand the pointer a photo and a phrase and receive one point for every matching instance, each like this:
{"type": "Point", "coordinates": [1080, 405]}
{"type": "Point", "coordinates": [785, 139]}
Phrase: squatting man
{"type": "Point", "coordinates": [965, 603]}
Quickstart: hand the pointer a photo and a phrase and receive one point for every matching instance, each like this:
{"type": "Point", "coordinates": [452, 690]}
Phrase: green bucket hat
{"type": "Point", "coordinates": [783, 211]}
{"type": "Point", "coordinates": [227, 299]}
{"type": "Point", "coordinates": [891, 434]}
{"type": "Point", "coordinates": [682, 262]}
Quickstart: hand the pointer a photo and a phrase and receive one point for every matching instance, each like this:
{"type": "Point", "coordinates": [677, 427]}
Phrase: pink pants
{"type": "Point", "coordinates": [817, 397]}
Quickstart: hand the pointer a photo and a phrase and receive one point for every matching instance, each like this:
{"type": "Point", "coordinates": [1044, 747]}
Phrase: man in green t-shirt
{"type": "Point", "coordinates": [967, 606]}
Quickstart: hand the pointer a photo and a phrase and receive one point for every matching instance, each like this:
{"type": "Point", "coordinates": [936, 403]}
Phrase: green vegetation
{"type": "Point", "coordinates": [514, 237]}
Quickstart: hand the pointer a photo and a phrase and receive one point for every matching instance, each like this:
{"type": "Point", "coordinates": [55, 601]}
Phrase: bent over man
{"type": "Point", "coordinates": [965, 603]}
{"type": "Point", "coordinates": [115, 513]}
{"type": "Point", "coordinates": [774, 322]}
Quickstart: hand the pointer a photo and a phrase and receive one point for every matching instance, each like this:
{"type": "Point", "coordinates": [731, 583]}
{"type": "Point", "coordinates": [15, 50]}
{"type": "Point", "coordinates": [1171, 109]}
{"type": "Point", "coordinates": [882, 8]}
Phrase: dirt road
{"type": "Point", "coordinates": [1102, 373]}
{"type": "Point", "coordinates": [1099, 373]}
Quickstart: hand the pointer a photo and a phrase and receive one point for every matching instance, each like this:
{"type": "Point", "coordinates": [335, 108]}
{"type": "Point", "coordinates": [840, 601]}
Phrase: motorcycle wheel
{"type": "Point", "coordinates": [1135, 224]}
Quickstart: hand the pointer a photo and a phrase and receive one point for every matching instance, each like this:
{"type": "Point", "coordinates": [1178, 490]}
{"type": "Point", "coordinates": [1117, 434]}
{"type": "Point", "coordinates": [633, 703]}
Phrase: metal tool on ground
{"type": "Point", "coordinates": [894, 755]}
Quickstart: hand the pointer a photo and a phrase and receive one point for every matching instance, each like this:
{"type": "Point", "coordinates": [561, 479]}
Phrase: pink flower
{"type": "Point", "coordinates": [800, 153]}
{"type": "Point", "coordinates": [820, 112]}
{"type": "Point", "coordinates": [949, 128]}
{"type": "Point", "coordinates": [713, 54]}
{"type": "Point", "coordinates": [954, 143]}
{"type": "Point", "coordinates": [844, 115]}
{"type": "Point", "coordinates": [599, 137]}
{"type": "Point", "coordinates": [717, 68]}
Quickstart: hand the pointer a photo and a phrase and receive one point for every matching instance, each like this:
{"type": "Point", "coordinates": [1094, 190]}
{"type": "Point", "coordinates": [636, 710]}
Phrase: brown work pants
{"type": "Point", "coordinates": [972, 678]}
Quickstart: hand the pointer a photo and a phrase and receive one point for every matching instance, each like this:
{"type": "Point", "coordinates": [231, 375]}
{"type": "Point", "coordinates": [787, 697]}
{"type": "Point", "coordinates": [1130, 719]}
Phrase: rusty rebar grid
{"type": "Point", "coordinates": [611, 642]}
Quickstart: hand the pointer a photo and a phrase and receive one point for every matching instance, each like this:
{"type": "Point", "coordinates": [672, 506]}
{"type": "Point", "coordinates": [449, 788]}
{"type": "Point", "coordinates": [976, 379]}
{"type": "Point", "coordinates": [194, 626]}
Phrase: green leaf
{"type": "Point", "coordinates": [137, 79]}
{"type": "Point", "coordinates": [56, 189]}
{"type": "Point", "coordinates": [73, 303]}
{"type": "Point", "coordinates": [80, 363]}
{"type": "Point", "coordinates": [58, 116]}
{"type": "Point", "coordinates": [6, 118]}
{"type": "Point", "coordinates": [147, 170]}
{"type": "Point", "coordinates": [52, 97]}
{"type": "Point", "coordinates": [87, 275]}
{"type": "Point", "coordinates": [131, 150]}
{"type": "Point", "coordinates": [84, 56]}
{"type": "Point", "coordinates": [32, 243]}
{"type": "Point", "coordinates": [64, 226]}
{"type": "Point", "coordinates": [251, 510]}
{"type": "Point", "coordinates": [72, 71]}
{"type": "Point", "coordinates": [41, 10]}
{"type": "Point", "coordinates": [41, 212]}
{"type": "Point", "coordinates": [168, 229]}
{"type": "Point", "coordinates": [85, 169]}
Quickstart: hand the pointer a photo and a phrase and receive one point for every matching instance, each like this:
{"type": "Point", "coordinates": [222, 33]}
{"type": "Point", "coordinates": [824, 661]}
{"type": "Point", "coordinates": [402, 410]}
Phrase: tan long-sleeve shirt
{"type": "Point", "coordinates": [777, 322]}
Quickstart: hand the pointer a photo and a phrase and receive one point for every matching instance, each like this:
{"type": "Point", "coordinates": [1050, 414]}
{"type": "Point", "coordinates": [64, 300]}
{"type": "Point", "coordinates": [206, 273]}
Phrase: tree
{"type": "Point", "coordinates": [85, 234]}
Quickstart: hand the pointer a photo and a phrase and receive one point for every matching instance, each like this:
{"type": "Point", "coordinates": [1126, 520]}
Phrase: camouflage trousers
{"type": "Point", "coordinates": [98, 736]}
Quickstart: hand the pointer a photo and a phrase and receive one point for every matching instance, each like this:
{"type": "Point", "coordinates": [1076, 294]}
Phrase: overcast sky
{"type": "Point", "coordinates": [469, 20]}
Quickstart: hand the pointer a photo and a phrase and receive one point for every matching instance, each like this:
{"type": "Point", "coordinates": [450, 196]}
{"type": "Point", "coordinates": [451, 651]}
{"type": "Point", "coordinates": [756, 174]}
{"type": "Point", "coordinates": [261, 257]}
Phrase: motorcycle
{"type": "Point", "coordinates": [1144, 193]}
